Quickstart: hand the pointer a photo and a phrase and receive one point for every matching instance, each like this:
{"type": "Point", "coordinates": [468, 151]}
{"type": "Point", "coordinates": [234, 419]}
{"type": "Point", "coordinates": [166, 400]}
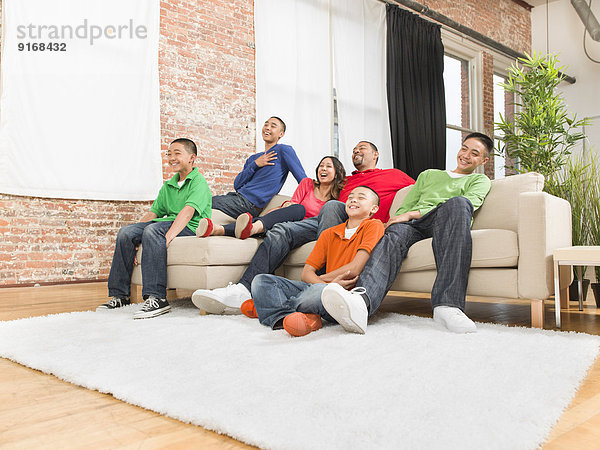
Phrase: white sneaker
{"type": "Point", "coordinates": [453, 319]}
{"type": "Point", "coordinates": [227, 300]}
{"type": "Point", "coordinates": [348, 308]}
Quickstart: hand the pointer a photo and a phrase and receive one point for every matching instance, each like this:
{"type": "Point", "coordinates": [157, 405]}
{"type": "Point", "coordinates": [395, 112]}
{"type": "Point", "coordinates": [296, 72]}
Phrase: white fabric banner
{"type": "Point", "coordinates": [79, 106]}
{"type": "Point", "coordinates": [360, 80]}
{"type": "Point", "coordinates": [305, 48]}
{"type": "Point", "coordinates": [293, 76]}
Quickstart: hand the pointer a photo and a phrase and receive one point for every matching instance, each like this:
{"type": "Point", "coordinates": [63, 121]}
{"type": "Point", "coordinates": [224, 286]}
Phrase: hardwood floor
{"type": "Point", "coordinates": [38, 410]}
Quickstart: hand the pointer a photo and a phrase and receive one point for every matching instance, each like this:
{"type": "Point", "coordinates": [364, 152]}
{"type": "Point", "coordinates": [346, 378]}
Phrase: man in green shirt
{"type": "Point", "coordinates": [440, 205]}
{"type": "Point", "coordinates": [181, 203]}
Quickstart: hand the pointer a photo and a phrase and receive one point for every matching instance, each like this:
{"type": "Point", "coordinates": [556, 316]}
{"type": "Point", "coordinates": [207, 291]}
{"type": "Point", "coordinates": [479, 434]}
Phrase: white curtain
{"type": "Point", "coordinates": [359, 45]}
{"type": "Point", "coordinates": [293, 76]}
{"type": "Point", "coordinates": [81, 123]}
{"type": "Point", "coordinates": [303, 49]}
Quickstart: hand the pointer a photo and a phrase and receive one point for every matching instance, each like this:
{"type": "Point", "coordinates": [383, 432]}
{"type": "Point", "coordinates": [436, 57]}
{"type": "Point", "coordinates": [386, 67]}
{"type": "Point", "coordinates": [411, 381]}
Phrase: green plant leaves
{"type": "Point", "coordinates": [541, 133]}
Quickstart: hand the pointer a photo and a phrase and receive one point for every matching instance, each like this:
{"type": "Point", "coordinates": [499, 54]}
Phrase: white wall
{"type": "Point", "coordinates": [566, 40]}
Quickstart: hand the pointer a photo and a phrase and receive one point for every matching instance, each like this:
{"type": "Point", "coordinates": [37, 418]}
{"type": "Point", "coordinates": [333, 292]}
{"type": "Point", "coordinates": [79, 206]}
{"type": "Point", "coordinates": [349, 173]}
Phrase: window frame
{"type": "Point", "coordinates": [458, 46]}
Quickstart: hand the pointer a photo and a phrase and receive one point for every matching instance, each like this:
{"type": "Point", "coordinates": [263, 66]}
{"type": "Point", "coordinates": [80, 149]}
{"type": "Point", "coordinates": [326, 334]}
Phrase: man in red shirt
{"type": "Point", "coordinates": [284, 237]}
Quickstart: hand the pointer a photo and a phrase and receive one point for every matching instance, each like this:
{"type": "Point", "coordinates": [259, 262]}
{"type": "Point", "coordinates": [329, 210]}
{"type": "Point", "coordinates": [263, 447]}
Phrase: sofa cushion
{"type": "Point", "coordinates": [298, 257]}
{"type": "Point", "coordinates": [491, 248]}
{"type": "Point", "coordinates": [212, 251]}
{"type": "Point", "coordinates": [399, 198]}
{"type": "Point", "coordinates": [499, 210]}
{"type": "Point", "coordinates": [500, 207]}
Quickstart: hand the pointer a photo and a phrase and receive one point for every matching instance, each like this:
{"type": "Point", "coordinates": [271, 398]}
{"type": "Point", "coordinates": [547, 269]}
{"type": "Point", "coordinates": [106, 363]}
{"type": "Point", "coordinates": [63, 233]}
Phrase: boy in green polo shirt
{"type": "Point", "coordinates": [181, 203]}
{"type": "Point", "coordinates": [440, 205]}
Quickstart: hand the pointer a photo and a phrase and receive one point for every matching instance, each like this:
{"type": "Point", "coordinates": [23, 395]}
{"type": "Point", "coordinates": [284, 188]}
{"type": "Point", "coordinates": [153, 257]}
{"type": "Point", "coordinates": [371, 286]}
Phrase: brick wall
{"type": "Point", "coordinates": [506, 21]}
{"type": "Point", "coordinates": [207, 92]}
{"type": "Point", "coordinates": [206, 66]}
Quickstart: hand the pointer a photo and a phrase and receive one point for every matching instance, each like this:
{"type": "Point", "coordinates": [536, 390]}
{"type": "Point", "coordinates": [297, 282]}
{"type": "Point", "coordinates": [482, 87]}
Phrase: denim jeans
{"type": "Point", "coordinates": [284, 237]}
{"type": "Point", "coordinates": [276, 297]}
{"type": "Point", "coordinates": [234, 204]}
{"type": "Point", "coordinates": [449, 225]}
{"type": "Point", "coordinates": [154, 258]}
{"type": "Point", "coordinates": [292, 213]}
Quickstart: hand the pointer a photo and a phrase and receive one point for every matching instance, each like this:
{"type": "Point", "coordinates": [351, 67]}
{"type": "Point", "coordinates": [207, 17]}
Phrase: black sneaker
{"type": "Point", "coordinates": [114, 303]}
{"type": "Point", "coordinates": [152, 307]}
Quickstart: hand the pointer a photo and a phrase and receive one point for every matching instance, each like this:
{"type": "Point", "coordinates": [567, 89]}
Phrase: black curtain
{"type": "Point", "coordinates": [415, 89]}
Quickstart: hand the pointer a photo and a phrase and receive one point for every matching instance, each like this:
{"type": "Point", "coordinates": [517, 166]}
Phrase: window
{"type": "Point", "coordinates": [463, 81]}
{"type": "Point", "coordinates": [502, 106]}
{"type": "Point", "coordinates": [462, 72]}
{"type": "Point", "coordinates": [458, 105]}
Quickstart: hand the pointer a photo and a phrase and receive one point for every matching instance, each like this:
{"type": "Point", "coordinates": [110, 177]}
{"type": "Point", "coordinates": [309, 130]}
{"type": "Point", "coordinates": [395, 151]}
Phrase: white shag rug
{"type": "Point", "coordinates": [407, 383]}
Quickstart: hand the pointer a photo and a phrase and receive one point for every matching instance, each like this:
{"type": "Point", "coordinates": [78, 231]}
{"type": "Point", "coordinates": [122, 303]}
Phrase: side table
{"type": "Point", "coordinates": [572, 256]}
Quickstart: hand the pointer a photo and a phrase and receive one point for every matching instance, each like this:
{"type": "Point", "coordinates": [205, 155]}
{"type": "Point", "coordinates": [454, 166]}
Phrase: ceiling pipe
{"type": "Point", "coordinates": [587, 17]}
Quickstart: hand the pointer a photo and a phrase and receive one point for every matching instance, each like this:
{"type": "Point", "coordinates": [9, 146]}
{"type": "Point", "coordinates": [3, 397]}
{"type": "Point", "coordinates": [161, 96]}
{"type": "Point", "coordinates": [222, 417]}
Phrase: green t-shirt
{"type": "Point", "coordinates": [172, 198]}
{"type": "Point", "coordinates": [434, 187]}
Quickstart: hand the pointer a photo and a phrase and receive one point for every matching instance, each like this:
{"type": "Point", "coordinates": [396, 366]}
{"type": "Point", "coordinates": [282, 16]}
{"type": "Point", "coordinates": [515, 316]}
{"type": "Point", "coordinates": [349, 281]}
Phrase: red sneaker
{"type": "Point", "coordinates": [205, 227]}
{"type": "Point", "coordinates": [243, 226]}
{"type": "Point", "coordinates": [300, 324]}
{"type": "Point", "coordinates": [248, 309]}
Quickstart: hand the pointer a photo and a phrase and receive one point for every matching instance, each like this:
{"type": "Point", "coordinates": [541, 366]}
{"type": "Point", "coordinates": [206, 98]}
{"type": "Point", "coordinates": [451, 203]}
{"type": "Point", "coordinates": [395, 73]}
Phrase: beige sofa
{"type": "Point", "coordinates": [514, 233]}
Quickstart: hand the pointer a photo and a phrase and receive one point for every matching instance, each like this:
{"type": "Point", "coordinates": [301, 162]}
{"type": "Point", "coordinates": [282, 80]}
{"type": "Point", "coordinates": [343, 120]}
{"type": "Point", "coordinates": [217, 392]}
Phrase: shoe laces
{"type": "Point", "coordinates": [114, 302]}
{"type": "Point", "coordinates": [150, 304]}
{"type": "Point", "coordinates": [358, 290]}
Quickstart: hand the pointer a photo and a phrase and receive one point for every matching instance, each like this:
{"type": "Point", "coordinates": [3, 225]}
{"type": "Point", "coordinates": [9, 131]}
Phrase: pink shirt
{"type": "Point", "coordinates": [305, 196]}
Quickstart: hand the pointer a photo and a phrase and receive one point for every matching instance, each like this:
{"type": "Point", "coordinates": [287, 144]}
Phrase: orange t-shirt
{"type": "Point", "coordinates": [332, 247]}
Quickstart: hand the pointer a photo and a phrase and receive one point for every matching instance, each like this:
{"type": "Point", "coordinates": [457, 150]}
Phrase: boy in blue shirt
{"type": "Point", "coordinates": [260, 180]}
{"type": "Point", "coordinates": [181, 203]}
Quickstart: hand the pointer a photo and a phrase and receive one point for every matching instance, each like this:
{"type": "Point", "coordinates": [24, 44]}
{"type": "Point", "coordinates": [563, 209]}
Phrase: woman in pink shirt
{"type": "Point", "coordinates": [308, 199]}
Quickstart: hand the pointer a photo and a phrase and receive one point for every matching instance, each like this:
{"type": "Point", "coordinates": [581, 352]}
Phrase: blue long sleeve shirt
{"type": "Point", "coordinates": [261, 184]}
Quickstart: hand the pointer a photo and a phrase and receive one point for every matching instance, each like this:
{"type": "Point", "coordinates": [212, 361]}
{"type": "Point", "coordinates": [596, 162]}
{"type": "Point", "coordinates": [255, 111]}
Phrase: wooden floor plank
{"type": "Point", "coordinates": [39, 411]}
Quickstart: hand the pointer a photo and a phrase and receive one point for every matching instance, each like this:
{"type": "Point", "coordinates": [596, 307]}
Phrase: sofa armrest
{"type": "Point", "coordinates": [544, 224]}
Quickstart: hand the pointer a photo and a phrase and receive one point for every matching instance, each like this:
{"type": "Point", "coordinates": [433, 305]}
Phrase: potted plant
{"type": "Point", "coordinates": [575, 184]}
{"type": "Point", "coordinates": [540, 134]}
{"type": "Point", "coordinates": [593, 207]}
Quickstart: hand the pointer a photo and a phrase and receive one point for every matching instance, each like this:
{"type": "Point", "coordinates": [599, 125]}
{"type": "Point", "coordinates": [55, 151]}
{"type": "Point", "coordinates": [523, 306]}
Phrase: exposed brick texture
{"type": "Point", "coordinates": [207, 92]}
{"type": "Point", "coordinates": [505, 21]}
{"type": "Point", "coordinates": [488, 105]}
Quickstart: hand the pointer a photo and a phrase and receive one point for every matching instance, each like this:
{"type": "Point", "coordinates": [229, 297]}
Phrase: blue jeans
{"type": "Point", "coordinates": [449, 225]}
{"type": "Point", "coordinates": [154, 258]}
{"type": "Point", "coordinates": [284, 237]}
{"type": "Point", "coordinates": [276, 297]}
{"type": "Point", "coordinates": [292, 213]}
{"type": "Point", "coordinates": [234, 204]}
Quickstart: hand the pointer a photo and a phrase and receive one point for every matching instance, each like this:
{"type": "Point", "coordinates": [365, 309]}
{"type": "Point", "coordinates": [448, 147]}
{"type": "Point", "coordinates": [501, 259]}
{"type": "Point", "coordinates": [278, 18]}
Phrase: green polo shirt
{"type": "Point", "coordinates": [434, 187]}
{"type": "Point", "coordinates": [172, 198]}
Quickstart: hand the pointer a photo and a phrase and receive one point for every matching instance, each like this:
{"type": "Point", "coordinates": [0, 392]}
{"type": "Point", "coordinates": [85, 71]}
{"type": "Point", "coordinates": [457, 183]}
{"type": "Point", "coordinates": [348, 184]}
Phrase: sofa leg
{"type": "Point", "coordinates": [183, 293]}
{"type": "Point", "coordinates": [136, 293]}
{"type": "Point", "coordinates": [537, 313]}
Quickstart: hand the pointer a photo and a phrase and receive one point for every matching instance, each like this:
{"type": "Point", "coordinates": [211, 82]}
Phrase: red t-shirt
{"type": "Point", "coordinates": [386, 182]}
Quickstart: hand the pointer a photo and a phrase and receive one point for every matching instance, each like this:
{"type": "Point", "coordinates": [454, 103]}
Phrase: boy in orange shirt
{"type": "Point", "coordinates": [343, 249]}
